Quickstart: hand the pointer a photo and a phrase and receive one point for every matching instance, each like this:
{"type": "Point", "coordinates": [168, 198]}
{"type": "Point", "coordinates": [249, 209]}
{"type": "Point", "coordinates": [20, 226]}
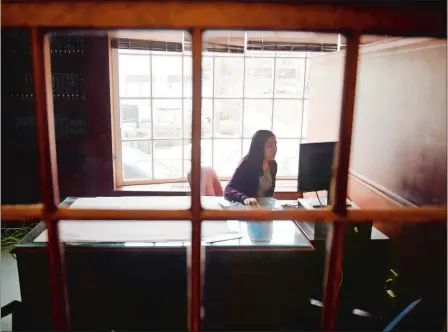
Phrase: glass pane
{"type": "Point", "coordinates": [257, 115]}
{"type": "Point", "coordinates": [134, 75]}
{"type": "Point", "coordinates": [228, 118]}
{"type": "Point", "coordinates": [167, 118]}
{"type": "Point", "coordinates": [206, 154]}
{"type": "Point", "coordinates": [287, 118]}
{"type": "Point", "coordinates": [135, 119]}
{"type": "Point", "coordinates": [136, 157]}
{"type": "Point", "coordinates": [168, 159]}
{"type": "Point", "coordinates": [306, 108]}
{"type": "Point", "coordinates": [167, 76]}
{"type": "Point", "coordinates": [259, 77]}
{"type": "Point", "coordinates": [206, 117]}
{"type": "Point", "coordinates": [287, 157]}
{"type": "Point", "coordinates": [207, 76]}
{"type": "Point", "coordinates": [226, 156]}
{"type": "Point", "coordinates": [229, 77]}
{"type": "Point", "coordinates": [289, 78]}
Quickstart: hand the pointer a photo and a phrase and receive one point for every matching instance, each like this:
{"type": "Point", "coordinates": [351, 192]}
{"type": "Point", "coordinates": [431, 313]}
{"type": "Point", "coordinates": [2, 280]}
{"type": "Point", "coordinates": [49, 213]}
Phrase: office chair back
{"type": "Point", "coordinates": [210, 184]}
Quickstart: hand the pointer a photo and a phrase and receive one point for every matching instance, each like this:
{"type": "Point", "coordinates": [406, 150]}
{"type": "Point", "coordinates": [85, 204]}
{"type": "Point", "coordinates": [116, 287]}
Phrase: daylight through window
{"type": "Point", "coordinates": [250, 81]}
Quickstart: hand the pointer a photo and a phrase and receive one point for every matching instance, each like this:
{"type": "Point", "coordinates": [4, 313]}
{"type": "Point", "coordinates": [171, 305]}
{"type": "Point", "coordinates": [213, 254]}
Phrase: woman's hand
{"type": "Point", "coordinates": [251, 201]}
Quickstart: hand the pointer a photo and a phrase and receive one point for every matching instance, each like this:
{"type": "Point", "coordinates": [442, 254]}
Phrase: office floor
{"type": "Point", "coordinates": [10, 290]}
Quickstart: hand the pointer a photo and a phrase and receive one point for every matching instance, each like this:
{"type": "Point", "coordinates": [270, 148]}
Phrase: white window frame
{"type": "Point", "coordinates": [115, 111]}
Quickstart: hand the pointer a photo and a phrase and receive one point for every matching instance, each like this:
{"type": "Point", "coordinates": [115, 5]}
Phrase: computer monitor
{"type": "Point", "coordinates": [315, 167]}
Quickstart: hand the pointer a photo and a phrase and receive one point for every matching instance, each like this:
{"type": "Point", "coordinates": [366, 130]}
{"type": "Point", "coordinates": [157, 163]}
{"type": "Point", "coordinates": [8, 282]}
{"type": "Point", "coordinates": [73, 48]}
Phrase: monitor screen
{"type": "Point", "coordinates": [315, 166]}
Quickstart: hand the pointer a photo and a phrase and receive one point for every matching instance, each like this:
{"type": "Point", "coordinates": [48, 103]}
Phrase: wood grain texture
{"type": "Point", "coordinates": [404, 18]}
{"type": "Point", "coordinates": [343, 148]}
{"type": "Point", "coordinates": [335, 252]}
{"type": "Point", "coordinates": [195, 275]}
{"type": "Point", "coordinates": [40, 46]}
{"type": "Point", "coordinates": [45, 120]}
{"type": "Point", "coordinates": [408, 215]}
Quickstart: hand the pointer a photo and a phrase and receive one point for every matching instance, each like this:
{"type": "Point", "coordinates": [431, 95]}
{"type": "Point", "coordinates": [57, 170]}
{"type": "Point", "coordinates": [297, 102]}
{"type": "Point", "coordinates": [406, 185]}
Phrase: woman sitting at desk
{"type": "Point", "coordinates": [255, 175]}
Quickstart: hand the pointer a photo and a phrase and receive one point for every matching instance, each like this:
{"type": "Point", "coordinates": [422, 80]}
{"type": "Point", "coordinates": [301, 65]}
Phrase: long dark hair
{"type": "Point", "coordinates": [256, 150]}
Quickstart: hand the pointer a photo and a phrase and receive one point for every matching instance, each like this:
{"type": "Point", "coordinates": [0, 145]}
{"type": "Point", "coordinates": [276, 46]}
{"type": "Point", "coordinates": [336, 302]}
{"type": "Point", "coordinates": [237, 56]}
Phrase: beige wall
{"type": "Point", "coordinates": [399, 137]}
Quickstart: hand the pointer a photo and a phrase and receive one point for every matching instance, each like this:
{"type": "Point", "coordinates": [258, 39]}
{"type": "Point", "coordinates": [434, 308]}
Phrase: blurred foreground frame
{"type": "Point", "coordinates": [406, 19]}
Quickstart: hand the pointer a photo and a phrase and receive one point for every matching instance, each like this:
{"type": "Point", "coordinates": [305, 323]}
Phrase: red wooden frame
{"type": "Point", "coordinates": [351, 20]}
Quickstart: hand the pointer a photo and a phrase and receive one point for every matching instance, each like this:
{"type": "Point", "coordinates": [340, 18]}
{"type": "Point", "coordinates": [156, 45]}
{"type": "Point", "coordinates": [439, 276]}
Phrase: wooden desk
{"type": "Point", "coordinates": [230, 234]}
{"type": "Point", "coordinates": [122, 285]}
{"type": "Point", "coordinates": [143, 285]}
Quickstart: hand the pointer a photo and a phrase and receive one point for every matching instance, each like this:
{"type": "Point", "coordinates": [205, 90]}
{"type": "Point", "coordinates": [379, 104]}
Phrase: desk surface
{"type": "Point", "coordinates": [233, 233]}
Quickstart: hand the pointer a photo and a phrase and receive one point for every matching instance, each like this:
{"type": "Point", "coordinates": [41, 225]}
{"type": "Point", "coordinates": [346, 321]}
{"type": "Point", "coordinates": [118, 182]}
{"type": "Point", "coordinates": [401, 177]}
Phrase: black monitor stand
{"type": "Point", "coordinates": [325, 204]}
{"type": "Point", "coordinates": [328, 197]}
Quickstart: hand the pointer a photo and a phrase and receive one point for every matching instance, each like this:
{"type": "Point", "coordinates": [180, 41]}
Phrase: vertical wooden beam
{"type": "Point", "coordinates": [332, 277]}
{"type": "Point", "coordinates": [342, 157]}
{"type": "Point", "coordinates": [335, 242]}
{"type": "Point", "coordinates": [195, 292]}
{"type": "Point", "coordinates": [40, 46]}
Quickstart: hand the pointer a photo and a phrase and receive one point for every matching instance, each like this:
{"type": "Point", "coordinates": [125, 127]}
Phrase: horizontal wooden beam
{"type": "Point", "coordinates": [28, 212]}
{"type": "Point", "coordinates": [401, 19]}
{"type": "Point", "coordinates": [405, 215]}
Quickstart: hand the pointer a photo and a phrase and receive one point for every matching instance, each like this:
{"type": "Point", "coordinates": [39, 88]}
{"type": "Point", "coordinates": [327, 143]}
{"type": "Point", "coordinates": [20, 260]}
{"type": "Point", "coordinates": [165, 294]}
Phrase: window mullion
{"type": "Point", "coordinates": [303, 96]}
{"type": "Point", "coordinates": [182, 107]}
{"type": "Point", "coordinates": [152, 116]}
{"type": "Point", "coordinates": [213, 109]}
{"type": "Point", "coordinates": [273, 92]}
{"type": "Point", "coordinates": [244, 92]}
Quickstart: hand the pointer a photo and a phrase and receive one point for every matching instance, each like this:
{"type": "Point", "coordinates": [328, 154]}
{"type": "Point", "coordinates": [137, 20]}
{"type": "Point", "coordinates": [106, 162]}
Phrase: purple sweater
{"type": "Point", "coordinates": [245, 181]}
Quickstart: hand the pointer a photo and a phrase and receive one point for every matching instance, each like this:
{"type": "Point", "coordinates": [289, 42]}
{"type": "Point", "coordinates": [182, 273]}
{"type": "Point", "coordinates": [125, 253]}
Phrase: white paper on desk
{"type": "Point", "coordinates": [134, 203]}
{"type": "Point", "coordinates": [144, 203]}
{"type": "Point", "coordinates": [132, 230]}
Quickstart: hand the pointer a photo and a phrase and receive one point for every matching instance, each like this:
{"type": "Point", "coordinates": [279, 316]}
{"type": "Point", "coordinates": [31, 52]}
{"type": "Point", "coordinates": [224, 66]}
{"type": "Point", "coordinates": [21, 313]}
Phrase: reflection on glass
{"type": "Point", "coordinates": [226, 156]}
{"type": "Point", "coordinates": [289, 78]}
{"type": "Point", "coordinates": [287, 157]}
{"type": "Point", "coordinates": [136, 160]}
{"type": "Point", "coordinates": [228, 118]}
{"type": "Point", "coordinates": [167, 76]}
{"type": "Point", "coordinates": [134, 75]}
{"type": "Point", "coordinates": [168, 159]}
{"type": "Point", "coordinates": [259, 77]}
{"type": "Point", "coordinates": [167, 118]}
{"type": "Point", "coordinates": [229, 73]}
{"type": "Point", "coordinates": [206, 117]}
{"type": "Point", "coordinates": [287, 118]}
{"type": "Point", "coordinates": [257, 115]}
{"type": "Point", "coordinates": [135, 119]}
